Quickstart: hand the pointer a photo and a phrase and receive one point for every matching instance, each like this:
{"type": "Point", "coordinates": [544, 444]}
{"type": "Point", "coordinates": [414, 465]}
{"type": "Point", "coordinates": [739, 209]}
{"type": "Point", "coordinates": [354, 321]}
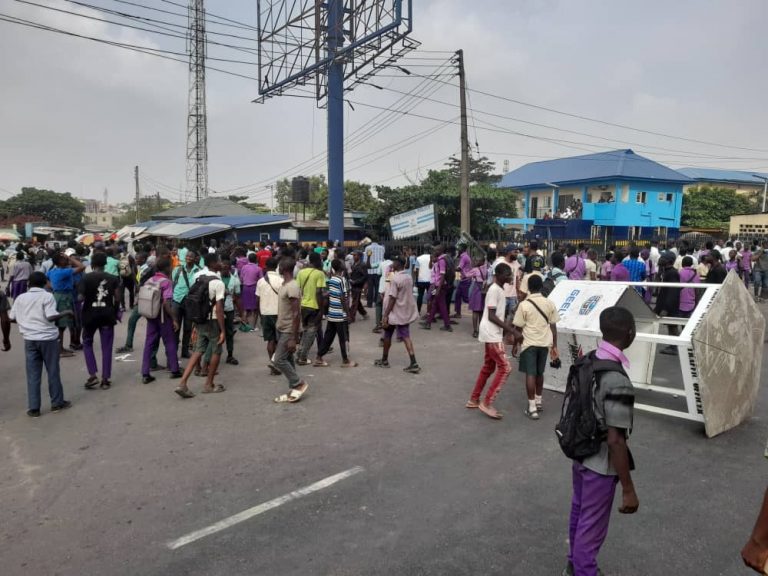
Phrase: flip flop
{"type": "Point", "coordinates": [184, 393]}
{"type": "Point", "coordinates": [490, 412]}
{"type": "Point", "coordinates": [471, 404]}
{"type": "Point", "coordinates": [218, 388]}
{"type": "Point", "coordinates": [293, 396]}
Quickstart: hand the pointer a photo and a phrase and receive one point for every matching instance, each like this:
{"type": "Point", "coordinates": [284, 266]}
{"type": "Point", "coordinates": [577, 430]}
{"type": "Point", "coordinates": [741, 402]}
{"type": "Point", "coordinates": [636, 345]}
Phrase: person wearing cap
{"type": "Point", "coordinates": [463, 269]}
{"type": "Point", "coordinates": [536, 263]}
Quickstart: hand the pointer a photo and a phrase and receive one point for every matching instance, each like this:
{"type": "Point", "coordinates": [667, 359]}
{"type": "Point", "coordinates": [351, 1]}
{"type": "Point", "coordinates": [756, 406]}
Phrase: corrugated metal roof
{"type": "Point", "coordinates": [210, 206]}
{"type": "Point", "coordinates": [199, 231]}
{"type": "Point", "coordinates": [716, 175]}
{"type": "Point", "coordinates": [623, 164]}
{"type": "Point", "coordinates": [240, 221]}
{"type": "Point", "coordinates": [170, 229]}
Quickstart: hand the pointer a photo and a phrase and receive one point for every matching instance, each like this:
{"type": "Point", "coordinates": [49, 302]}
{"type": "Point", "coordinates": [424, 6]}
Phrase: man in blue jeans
{"type": "Point", "coordinates": [760, 271]}
{"type": "Point", "coordinates": [35, 313]}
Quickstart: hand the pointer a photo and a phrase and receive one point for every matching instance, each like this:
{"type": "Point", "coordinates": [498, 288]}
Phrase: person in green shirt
{"type": "Point", "coordinates": [183, 277]}
{"type": "Point", "coordinates": [311, 282]}
{"type": "Point", "coordinates": [113, 264]}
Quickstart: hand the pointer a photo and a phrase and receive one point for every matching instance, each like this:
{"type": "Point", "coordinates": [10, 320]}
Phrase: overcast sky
{"type": "Point", "coordinates": [77, 116]}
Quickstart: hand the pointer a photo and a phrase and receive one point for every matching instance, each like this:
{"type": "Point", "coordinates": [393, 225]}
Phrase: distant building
{"type": "Point", "coordinates": [740, 181]}
{"type": "Point", "coordinates": [99, 214]}
{"type": "Point", "coordinates": [616, 194]}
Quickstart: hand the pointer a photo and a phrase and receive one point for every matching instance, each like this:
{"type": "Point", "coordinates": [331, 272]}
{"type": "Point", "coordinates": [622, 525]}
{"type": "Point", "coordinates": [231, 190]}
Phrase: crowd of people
{"type": "Point", "coordinates": [302, 297]}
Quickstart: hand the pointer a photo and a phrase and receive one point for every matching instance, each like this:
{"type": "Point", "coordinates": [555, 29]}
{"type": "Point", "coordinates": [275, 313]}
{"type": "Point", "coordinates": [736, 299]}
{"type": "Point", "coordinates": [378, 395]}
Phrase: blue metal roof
{"type": "Point", "coordinates": [200, 231]}
{"type": "Point", "coordinates": [624, 164]}
{"type": "Point", "coordinates": [238, 221]}
{"type": "Point", "coordinates": [715, 175]}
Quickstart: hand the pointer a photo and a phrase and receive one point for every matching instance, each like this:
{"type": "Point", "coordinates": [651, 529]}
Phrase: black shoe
{"type": "Point", "coordinates": [232, 360]}
{"type": "Point", "coordinates": [63, 406]}
{"type": "Point", "coordinates": [75, 347]}
{"type": "Point", "coordinates": [175, 375]}
{"type": "Point", "coordinates": [412, 369]}
{"type": "Point", "coordinates": [33, 413]}
{"type": "Point", "coordinates": [148, 379]}
{"type": "Point", "coordinates": [425, 326]}
{"type": "Point", "coordinates": [124, 349]}
{"type": "Point", "coordinates": [105, 384]}
{"type": "Point", "coordinates": [446, 328]}
{"type": "Point", "coordinates": [186, 355]}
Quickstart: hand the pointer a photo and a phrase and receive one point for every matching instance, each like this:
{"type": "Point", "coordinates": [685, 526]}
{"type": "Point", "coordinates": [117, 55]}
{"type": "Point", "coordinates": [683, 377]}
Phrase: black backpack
{"type": "Point", "coordinates": [550, 283]}
{"type": "Point", "coordinates": [578, 431]}
{"type": "Point", "coordinates": [450, 271]}
{"type": "Point", "coordinates": [198, 305]}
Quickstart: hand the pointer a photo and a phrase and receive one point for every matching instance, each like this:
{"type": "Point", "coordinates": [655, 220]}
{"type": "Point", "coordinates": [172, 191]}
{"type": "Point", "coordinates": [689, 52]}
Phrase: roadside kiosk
{"type": "Point", "coordinates": [719, 348]}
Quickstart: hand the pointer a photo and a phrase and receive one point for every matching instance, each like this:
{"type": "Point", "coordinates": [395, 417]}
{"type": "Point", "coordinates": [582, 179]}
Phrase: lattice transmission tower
{"type": "Point", "coordinates": [197, 121]}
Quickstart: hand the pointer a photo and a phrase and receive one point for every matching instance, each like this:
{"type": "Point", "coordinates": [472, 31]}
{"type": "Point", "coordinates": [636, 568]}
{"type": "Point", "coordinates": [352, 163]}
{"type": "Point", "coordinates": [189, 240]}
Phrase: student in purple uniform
{"type": "Point", "coordinates": [595, 478]}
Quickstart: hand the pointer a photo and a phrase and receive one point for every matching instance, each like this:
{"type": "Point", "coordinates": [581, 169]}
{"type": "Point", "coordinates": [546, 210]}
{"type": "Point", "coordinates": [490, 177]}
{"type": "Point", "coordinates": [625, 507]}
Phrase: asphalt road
{"type": "Point", "coordinates": [103, 488]}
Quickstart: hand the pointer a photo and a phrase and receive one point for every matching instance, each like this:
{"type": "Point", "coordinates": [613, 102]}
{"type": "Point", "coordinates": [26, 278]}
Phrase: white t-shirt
{"type": "Point", "coordinates": [490, 332]}
{"type": "Point", "coordinates": [268, 291]}
{"type": "Point", "coordinates": [382, 270]}
{"type": "Point", "coordinates": [425, 271]}
{"type": "Point", "coordinates": [591, 268]}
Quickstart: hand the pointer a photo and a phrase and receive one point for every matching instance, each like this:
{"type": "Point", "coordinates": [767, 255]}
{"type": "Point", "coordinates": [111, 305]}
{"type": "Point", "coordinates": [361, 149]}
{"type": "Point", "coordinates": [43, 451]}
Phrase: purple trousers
{"type": "Point", "coordinates": [157, 329]}
{"type": "Point", "coordinates": [107, 337]}
{"type": "Point", "coordinates": [590, 513]}
{"type": "Point", "coordinates": [439, 304]}
{"type": "Point", "coordinates": [462, 293]}
{"type": "Point", "coordinates": [18, 287]}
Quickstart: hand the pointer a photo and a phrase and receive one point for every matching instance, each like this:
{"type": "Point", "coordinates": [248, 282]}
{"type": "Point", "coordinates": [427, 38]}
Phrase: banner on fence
{"type": "Point", "coordinates": [414, 222]}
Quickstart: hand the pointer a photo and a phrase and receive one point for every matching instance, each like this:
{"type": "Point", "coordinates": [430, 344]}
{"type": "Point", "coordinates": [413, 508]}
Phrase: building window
{"type": "Point", "coordinates": [670, 197]}
{"type": "Point", "coordinates": [640, 197]}
{"type": "Point", "coordinates": [564, 202]}
{"type": "Point", "coordinates": [663, 197]}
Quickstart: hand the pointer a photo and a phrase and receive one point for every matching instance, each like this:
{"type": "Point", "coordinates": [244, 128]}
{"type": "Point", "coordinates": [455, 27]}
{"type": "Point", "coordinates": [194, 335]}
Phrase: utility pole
{"type": "Point", "coordinates": [464, 182]}
{"type": "Point", "coordinates": [335, 81]}
{"type": "Point", "coordinates": [197, 119]}
{"type": "Point", "coordinates": [136, 177]}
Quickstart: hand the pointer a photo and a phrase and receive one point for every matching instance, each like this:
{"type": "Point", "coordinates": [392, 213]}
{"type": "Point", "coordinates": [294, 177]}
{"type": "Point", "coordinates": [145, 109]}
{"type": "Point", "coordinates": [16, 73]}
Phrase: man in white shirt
{"type": "Point", "coordinates": [210, 333]}
{"type": "Point", "coordinates": [491, 334]}
{"type": "Point", "coordinates": [268, 290]}
{"type": "Point", "coordinates": [382, 272]}
{"type": "Point", "coordinates": [423, 272]}
{"type": "Point", "coordinates": [35, 313]}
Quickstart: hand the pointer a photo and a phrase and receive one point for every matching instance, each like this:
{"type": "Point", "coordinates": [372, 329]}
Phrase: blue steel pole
{"type": "Point", "coordinates": [335, 122]}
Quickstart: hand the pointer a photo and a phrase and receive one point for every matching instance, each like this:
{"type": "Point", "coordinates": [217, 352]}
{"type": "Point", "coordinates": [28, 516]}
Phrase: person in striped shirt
{"type": "Point", "coordinates": [337, 316]}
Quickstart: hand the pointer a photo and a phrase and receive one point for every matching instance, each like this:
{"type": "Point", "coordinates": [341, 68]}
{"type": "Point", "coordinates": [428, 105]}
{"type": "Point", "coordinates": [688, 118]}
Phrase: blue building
{"type": "Point", "coordinates": [622, 196]}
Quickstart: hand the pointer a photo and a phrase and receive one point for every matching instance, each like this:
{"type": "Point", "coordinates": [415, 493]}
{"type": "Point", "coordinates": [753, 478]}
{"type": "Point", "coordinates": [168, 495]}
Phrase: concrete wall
{"type": "Point", "coordinates": [749, 224]}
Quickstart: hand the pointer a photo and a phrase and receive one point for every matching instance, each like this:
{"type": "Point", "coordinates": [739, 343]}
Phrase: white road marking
{"type": "Point", "coordinates": [261, 508]}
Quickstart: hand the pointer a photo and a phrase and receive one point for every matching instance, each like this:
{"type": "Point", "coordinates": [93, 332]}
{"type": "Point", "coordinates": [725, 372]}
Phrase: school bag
{"type": "Point", "coordinates": [578, 431]}
{"type": "Point", "coordinates": [450, 271]}
{"type": "Point", "coordinates": [549, 283]}
{"type": "Point", "coordinates": [150, 300]}
{"type": "Point", "coordinates": [124, 266]}
{"type": "Point", "coordinates": [198, 305]}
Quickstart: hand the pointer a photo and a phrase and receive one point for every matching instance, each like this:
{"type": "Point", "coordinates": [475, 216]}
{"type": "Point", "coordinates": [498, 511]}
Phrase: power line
{"type": "Point", "coordinates": [605, 122]}
{"type": "Point", "coordinates": [240, 25]}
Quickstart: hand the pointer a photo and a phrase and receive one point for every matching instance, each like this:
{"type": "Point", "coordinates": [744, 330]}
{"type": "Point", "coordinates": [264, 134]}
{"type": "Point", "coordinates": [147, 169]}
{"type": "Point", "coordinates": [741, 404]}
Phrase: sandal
{"type": "Point", "coordinates": [349, 364]}
{"type": "Point", "coordinates": [472, 404]}
{"type": "Point", "coordinates": [294, 395]}
{"type": "Point", "coordinates": [320, 364]}
{"type": "Point", "coordinates": [90, 384]}
{"type": "Point", "coordinates": [532, 415]}
{"type": "Point", "coordinates": [215, 390]}
{"type": "Point", "coordinates": [184, 392]}
{"type": "Point", "coordinates": [490, 411]}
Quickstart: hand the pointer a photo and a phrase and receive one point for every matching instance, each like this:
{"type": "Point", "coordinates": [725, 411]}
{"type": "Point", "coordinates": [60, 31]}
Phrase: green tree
{"type": "Point", "coordinates": [318, 193]}
{"type": "Point", "coordinates": [56, 208]}
{"type": "Point", "coordinates": [481, 170]}
{"type": "Point", "coordinates": [357, 198]}
{"type": "Point", "coordinates": [441, 188]}
{"type": "Point", "coordinates": [712, 206]}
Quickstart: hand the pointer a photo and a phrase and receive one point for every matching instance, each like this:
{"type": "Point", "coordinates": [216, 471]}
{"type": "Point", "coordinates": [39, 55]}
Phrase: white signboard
{"type": "Point", "coordinates": [290, 234]}
{"type": "Point", "coordinates": [414, 222]}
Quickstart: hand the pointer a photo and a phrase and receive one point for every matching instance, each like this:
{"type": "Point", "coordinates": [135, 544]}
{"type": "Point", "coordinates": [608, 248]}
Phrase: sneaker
{"type": "Point", "coordinates": [304, 362]}
{"type": "Point", "coordinates": [33, 413]}
{"type": "Point", "coordinates": [232, 360]}
{"type": "Point", "coordinates": [412, 369]}
{"type": "Point", "coordinates": [63, 406]}
{"type": "Point", "coordinates": [381, 363]}
{"type": "Point", "coordinates": [124, 349]}
{"type": "Point", "coordinates": [105, 384]}
{"type": "Point", "coordinates": [148, 379]}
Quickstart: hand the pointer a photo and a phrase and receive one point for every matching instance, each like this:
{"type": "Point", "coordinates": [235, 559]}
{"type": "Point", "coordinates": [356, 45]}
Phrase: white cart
{"type": "Point", "coordinates": [720, 348]}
